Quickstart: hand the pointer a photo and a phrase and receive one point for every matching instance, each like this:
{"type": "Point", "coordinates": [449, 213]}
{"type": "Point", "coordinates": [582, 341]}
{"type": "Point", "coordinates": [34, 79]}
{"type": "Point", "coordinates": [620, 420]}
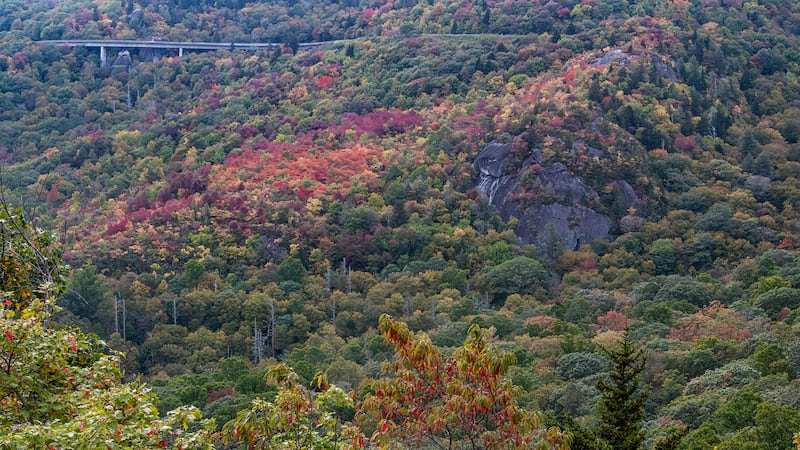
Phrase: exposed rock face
{"type": "Point", "coordinates": [663, 70]}
{"type": "Point", "coordinates": [556, 201]}
{"type": "Point", "coordinates": [123, 60]}
{"type": "Point", "coordinates": [611, 57]}
{"type": "Point", "coordinates": [150, 54]}
{"type": "Point", "coordinates": [626, 192]}
{"type": "Point", "coordinates": [617, 56]}
{"type": "Point", "coordinates": [491, 163]}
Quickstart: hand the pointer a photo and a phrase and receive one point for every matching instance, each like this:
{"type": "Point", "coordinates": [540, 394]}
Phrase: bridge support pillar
{"type": "Point", "coordinates": [103, 57]}
{"type": "Point", "coordinates": [180, 52]}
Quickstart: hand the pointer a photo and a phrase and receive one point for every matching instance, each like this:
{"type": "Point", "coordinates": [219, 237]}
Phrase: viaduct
{"type": "Point", "coordinates": [180, 46]}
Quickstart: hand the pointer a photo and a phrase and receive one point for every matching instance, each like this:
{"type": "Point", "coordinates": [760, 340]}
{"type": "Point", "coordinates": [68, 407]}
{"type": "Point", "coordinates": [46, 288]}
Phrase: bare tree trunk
{"type": "Point", "coordinates": [328, 281]}
{"type": "Point", "coordinates": [272, 327]}
{"type": "Point", "coordinates": [124, 320]}
{"type": "Point", "coordinates": [349, 280]}
{"type": "Point", "coordinates": [116, 312]}
{"type": "Point", "coordinates": [257, 342]}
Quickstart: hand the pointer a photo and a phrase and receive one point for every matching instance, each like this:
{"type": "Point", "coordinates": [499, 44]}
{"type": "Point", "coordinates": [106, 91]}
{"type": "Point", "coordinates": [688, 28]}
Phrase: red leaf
{"type": "Point", "coordinates": [324, 82]}
{"type": "Point", "coordinates": [9, 335]}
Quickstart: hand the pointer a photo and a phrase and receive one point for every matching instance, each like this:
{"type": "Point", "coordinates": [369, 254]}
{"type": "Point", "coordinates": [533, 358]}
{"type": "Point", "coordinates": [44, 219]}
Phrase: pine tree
{"type": "Point", "coordinates": [623, 397]}
{"type": "Point", "coordinates": [762, 165]}
{"type": "Point", "coordinates": [748, 144]}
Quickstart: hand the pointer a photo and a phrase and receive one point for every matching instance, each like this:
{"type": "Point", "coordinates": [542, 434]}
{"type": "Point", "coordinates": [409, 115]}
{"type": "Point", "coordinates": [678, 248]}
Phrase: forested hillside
{"type": "Point", "coordinates": [225, 211]}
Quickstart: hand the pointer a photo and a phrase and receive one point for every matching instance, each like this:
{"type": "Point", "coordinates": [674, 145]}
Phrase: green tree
{"type": "Point", "coordinates": [662, 253]}
{"type": "Point", "coordinates": [59, 388]}
{"type": "Point", "coordinates": [762, 165]}
{"type": "Point", "coordinates": [574, 366]}
{"type": "Point", "coordinates": [738, 412]}
{"type": "Point", "coordinates": [298, 418]}
{"type": "Point", "coordinates": [698, 361]}
{"type": "Point", "coordinates": [520, 275]}
{"type": "Point", "coordinates": [192, 271]}
{"type": "Point", "coordinates": [292, 269]}
{"type": "Point", "coordinates": [774, 300]}
{"type": "Point", "coordinates": [704, 437]}
{"type": "Point", "coordinates": [84, 292]}
{"type": "Point", "coordinates": [770, 359]}
{"type": "Point", "coordinates": [623, 397]}
{"type": "Point", "coordinates": [748, 144]}
{"type": "Point", "coordinates": [717, 218]}
{"type": "Point", "coordinates": [583, 438]}
{"type": "Point", "coordinates": [775, 424]}
{"type": "Point", "coordinates": [32, 276]}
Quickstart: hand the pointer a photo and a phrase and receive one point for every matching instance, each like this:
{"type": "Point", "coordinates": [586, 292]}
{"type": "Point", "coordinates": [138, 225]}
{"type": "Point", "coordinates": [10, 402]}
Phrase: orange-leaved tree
{"type": "Point", "coordinates": [461, 401]}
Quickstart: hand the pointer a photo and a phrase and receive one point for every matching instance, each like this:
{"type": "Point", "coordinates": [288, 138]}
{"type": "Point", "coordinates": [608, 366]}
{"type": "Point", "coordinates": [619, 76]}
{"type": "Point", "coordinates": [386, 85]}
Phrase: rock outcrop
{"type": "Point", "coordinates": [554, 203]}
{"type": "Point", "coordinates": [123, 60]}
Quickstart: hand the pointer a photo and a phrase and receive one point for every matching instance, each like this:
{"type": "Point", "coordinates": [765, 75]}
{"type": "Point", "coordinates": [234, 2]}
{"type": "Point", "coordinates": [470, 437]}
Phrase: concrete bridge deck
{"type": "Point", "coordinates": [188, 45]}
{"type": "Point", "coordinates": [176, 45]}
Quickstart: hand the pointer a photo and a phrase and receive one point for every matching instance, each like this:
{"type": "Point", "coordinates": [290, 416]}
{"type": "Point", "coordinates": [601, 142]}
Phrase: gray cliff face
{"type": "Point", "coordinates": [494, 183]}
{"type": "Point", "coordinates": [557, 203]}
{"type": "Point", "coordinates": [123, 60]}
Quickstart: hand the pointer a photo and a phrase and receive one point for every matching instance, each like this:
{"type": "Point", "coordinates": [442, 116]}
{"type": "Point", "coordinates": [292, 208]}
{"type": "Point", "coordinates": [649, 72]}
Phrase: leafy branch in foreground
{"type": "Point", "coordinates": [58, 387]}
{"type": "Point", "coordinates": [32, 275]}
{"type": "Point", "coordinates": [297, 419]}
{"type": "Point", "coordinates": [461, 401]}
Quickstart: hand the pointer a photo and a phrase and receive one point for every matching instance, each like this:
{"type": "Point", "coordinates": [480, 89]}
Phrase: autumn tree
{"type": "Point", "coordinates": [31, 273]}
{"type": "Point", "coordinates": [461, 401]}
{"type": "Point", "coordinates": [60, 388]}
{"type": "Point", "coordinates": [298, 418]}
{"type": "Point", "coordinates": [623, 397]}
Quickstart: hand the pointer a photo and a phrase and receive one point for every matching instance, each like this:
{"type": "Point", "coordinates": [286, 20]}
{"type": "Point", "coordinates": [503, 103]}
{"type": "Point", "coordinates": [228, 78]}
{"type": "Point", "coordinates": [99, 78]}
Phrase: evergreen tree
{"type": "Point", "coordinates": [672, 439]}
{"type": "Point", "coordinates": [583, 438]}
{"type": "Point", "coordinates": [595, 93]}
{"type": "Point", "coordinates": [748, 144]}
{"type": "Point", "coordinates": [623, 397]}
{"type": "Point", "coordinates": [762, 165]}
